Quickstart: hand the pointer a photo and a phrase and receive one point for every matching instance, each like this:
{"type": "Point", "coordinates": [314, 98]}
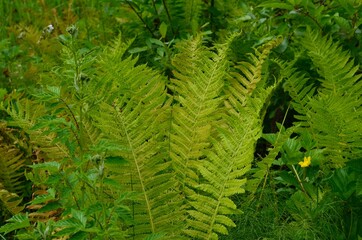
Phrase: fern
{"type": "Point", "coordinates": [299, 88]}
{"type": "Point", "coordinates": [11, 162]}
{"type": "Point", "coordinates": [248, 91]}
{"type": "Point", "coordinates": [334, 65]}
{"type": "Point", "coordinates": [12, 182]}
{"type": "Point", "coordinates": [181, 148]}
{"type": "Point", "coordinates": [333, 115]}
{"type": "Point", "coordinates": [25, 113]}
{"type": "Point", "coordinates": [185, 16]}
{"type": "Point", "coordinates": [197, 87]}
{"type": "Point", "coordinates": [136, 119]}
{"type": "Point", "coordinates": [192, 14]}
{"type": "Point", "coordinates": [10, 201]}
{"type": "Point", "coordinates": [212, 169]}
{"type": "Point", "coordinates": [111, 72]}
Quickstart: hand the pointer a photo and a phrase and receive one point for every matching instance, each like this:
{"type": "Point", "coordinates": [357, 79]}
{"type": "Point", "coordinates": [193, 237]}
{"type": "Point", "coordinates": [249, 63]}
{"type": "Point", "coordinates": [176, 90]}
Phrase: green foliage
{"type": "Point", "coordinates": [12, 183]}
{"type": "Point", "coordinates": [173, 175]}
{"type": "Point", "coordinates": [199, 136]}
{"type": "Point", "coordinates": [338, 90]}
{"type": "Point", "coordinates": [135, 118]}
{"type": "Point", "coordinates": [11, 162]}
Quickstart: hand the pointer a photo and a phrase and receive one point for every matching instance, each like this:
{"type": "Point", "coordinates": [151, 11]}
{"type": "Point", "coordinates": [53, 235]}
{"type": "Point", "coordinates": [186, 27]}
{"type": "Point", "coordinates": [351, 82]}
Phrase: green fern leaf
{"type": "Point", "coordinates": [11, 162]}
{"type": "Point", "coordinates": [332, 63]}
{"type": "Point", "coordinates": [110, 71]}
{"type": "Point", "coordinates": [192, 14]}
{"type": "Point", "coordinates": [248, 92]}
{"type": "Point", "coordinates": [25, 114]}
{"type": "Point", "coordinates": [223, 168]}
{"type": "Point", "coordinates": [333, 115]}
{"type": "Point", "coordinates": [299, 89]}
{"type": "Point", "coordinates": [136, 118]}
{"type": "Point", "coordinates": [186, 16]}
{"type": "Point", "coordinates": [197, 87]}
{"type": "Point", "coordinates": [10, 201]}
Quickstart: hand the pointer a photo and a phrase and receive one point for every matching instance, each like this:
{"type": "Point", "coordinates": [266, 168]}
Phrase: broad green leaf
{"type": "Point", "coordinates": [163, 29]}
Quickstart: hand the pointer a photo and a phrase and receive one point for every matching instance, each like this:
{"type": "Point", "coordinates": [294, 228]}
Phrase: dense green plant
{"type": "Point", "coordinates": [97, 145]}
{"type": "Point", "coordinates": [172, 166]}
{"type": "Point", "coordinates": [322, 196]}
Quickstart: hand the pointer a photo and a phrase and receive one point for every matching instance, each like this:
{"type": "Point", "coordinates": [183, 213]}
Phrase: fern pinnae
{"type": "Point", "coordinates": [9, 201]}
{"type": "Point", "coordinates": [299, 88]}
{"type": "Point", "coordinates": [233, 149]}
{"type": "Point", "coordinates": [333, 64]}
{"type": "Point", "coordinates": [136, 118]}
{"type": "Point", "coordinates": [199, 100]}
{"type": "Point", "coordinates": [12, 181]}
{"type": "Point", "coordinates": [11, 162]}
{"type": "Point", "coordinates": [336, 99]}
{"type": "Point", "coordinates": [196, 114]}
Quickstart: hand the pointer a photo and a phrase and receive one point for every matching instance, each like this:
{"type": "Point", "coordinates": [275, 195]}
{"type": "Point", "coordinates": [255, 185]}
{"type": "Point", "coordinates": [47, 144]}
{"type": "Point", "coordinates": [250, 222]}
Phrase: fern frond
{"type": "Point", "coordinates": [245, 81]}
{"type": "Point", "coordinates": [299, 89]}
{"type": "Point", "coordinates": [223, 169]}
{"type": "Point", "coordinates": [187, 16]}
{"type": "Point", "coordinates": [10, 201]}
{"type": "Point", "coordinates": [110, 71]}
{"type": "Point", "coordinates": [25, 114]}
{"type": "Point", "coordinates": [137, 119]}
{"type": "Point", "coordinates": [11, 162]}
{"type": "Point", "coordinates": [222, 175]}
{"type": "Point", "coordinates": [333, 64]}
{"type": "Point", "coordinates": [334, 114]}
{"type": "Point", "coordinates": [335, 125]}
{"type": "Point", "coordinates": [199, 79]}
{"type": "Point", "coordinates": [192, 14]}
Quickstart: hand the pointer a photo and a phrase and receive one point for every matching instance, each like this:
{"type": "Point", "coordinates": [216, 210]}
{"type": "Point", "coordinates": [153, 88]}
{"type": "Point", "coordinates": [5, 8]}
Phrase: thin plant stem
{"type": "Point", "coordinates": [267, 173]}
{"type": "Point", "coordinates": [299, 181]}
{"type": "Point", "coordinates": [168, 17]}
{"type": "Point", "coordinates": [154, 7]}
{"type": "Point", "coordinates": [140, 17]}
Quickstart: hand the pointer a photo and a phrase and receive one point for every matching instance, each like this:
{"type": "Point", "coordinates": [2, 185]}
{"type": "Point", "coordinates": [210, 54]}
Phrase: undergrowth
{"type": "Point", "coordinates": [180, 120]}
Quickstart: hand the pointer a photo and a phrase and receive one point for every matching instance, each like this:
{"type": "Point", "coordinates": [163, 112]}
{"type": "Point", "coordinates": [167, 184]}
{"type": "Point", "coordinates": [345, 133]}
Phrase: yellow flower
{"type": "Point", "coordinates": [306, 162]}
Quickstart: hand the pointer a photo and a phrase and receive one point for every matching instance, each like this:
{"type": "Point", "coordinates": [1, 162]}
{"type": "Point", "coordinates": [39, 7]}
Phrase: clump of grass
{"type": "Point", "coordinates": [268, 216]}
